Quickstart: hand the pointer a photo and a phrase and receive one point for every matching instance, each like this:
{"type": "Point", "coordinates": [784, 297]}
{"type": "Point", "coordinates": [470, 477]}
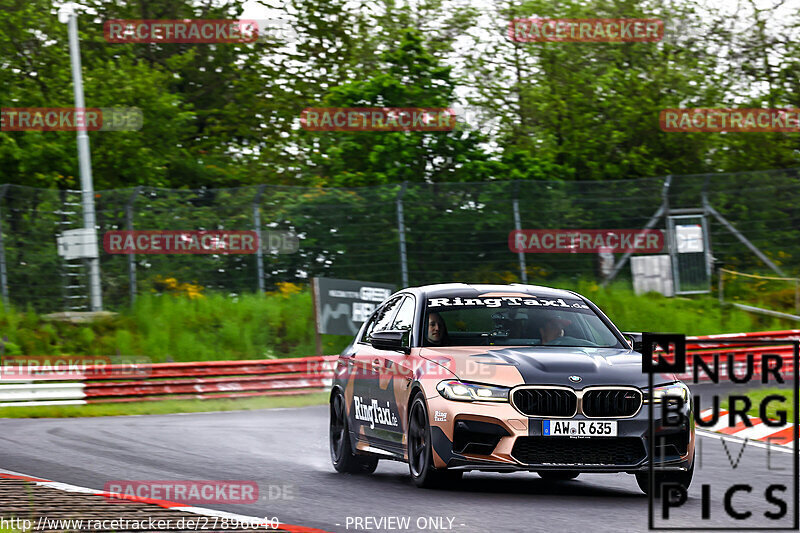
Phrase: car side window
{"type": "Point", "coordinates": [382, 318]}
{"type": "Point", "coordinates": [405, 315]}
{"type": "Point", "coordinates": [369, 328]}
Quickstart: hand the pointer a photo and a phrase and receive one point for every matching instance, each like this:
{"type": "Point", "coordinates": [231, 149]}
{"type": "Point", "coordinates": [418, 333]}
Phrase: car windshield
{"type": "Point", "coordinates": [523, 320]}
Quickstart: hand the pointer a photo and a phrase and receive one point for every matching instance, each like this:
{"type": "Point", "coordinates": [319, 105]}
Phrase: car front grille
{"type": "Point", "coordinates": [558, 451]}
{"type": "Point", "coordinates": [546, 402]}
{"type": "Point", "coordinates": [602, 403]}
{"type": "Point", "coordinates": [595, 402]}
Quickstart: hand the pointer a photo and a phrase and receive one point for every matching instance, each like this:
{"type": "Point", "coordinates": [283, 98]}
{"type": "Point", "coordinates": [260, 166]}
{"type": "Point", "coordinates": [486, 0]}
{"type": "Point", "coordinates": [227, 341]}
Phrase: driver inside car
{"type": "Point", "coordinates": [436, 331]}
{"type": "Point", "coordinates": [553, 328]}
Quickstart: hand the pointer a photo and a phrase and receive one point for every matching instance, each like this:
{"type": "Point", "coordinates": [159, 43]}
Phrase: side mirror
{"type": "Point", "coordinates": [634, 339]}
{"type": "Point", "coordinates": [392, 339]}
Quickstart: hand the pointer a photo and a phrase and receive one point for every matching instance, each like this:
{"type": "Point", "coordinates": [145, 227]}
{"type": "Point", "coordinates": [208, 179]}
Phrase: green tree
{"type": "Point", "coordinates": [410, 77]}
{"type": "Point", "coordinates": [587, 111]}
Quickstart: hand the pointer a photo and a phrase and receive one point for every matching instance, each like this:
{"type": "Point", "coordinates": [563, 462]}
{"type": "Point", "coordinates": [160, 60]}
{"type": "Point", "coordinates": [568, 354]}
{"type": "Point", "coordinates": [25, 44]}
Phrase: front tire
{"type": "Point", "coordinates": [342, 456]}
{"type": "Point", "coordinates": [420, 450]}
{"type": "Point", "coordinates": [684, 479]}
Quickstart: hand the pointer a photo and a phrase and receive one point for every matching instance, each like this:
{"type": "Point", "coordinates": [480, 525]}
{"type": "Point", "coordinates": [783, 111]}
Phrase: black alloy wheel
{"type": "Point", "coordinates": [342, 456]}
{"type": "Point", "coordinates": [420, 455]}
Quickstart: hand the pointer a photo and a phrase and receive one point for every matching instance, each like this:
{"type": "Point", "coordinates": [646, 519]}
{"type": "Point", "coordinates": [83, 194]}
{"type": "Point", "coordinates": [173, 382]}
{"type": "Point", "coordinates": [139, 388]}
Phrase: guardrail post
{"type": "Point", "coordinates": [260, 248]}
{"type": "Point", "coordinates": [401, 232]}
{"type": "Point", "coordinates": [131, 256]}
{"type": "Point", "coordinates": [523, 269]}
{"type": "Point", "coordinates": [3, 275]}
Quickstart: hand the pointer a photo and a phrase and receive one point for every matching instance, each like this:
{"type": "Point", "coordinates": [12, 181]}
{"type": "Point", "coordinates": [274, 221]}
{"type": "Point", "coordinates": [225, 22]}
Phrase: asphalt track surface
{"type": "Point", "coordinates": [289, 447]}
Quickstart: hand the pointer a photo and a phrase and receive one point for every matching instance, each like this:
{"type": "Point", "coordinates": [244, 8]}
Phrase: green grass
{"type": "Point", "coordinates": [764, 293]}
{"type": "Point", "coordinates": [177, 328]}
{"type": "Point", "coordinates": [773, 407]}
{"type": "Point", "coordinates": [215, 327]}
{"type": "Point", "coordinates": [163, 407]}
{"type": "Point", "coordinates": [699, 315]}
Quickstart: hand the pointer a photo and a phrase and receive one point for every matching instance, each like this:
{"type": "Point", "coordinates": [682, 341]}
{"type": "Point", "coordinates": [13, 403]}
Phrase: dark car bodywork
{"type": "Point", "coordinates": [378, 381]}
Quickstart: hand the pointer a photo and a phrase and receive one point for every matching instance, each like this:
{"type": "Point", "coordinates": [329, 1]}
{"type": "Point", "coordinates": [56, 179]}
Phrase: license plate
{"type": "Point", "coordinates": [579, 428]}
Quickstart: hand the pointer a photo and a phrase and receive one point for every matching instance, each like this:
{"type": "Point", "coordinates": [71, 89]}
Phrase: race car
{"type": "Point", "coordinates": [458, 377]}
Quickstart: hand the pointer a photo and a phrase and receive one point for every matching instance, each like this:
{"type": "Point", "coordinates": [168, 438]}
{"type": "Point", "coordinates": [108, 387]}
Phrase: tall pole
{"type": "Point", "coordinates": [84, 156]}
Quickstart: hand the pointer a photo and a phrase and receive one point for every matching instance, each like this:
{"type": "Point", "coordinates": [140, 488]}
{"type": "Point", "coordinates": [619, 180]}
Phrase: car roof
{"type": "Point", "coordinates": [445, 290]}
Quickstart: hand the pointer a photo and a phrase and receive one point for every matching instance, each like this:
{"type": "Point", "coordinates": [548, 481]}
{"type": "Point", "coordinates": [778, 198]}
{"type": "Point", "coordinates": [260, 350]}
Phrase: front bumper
{"type": "Point", "coordinates": [495, 437]}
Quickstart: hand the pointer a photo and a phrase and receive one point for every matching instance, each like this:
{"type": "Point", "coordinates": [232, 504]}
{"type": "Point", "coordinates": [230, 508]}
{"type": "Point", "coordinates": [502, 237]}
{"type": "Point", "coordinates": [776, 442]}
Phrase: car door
{"type": "Point", "coordinates": [395, 374]}
{"type": "Point", "coordinates": [368, 417]}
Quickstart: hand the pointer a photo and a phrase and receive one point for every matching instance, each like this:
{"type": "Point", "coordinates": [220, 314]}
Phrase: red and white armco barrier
{"type": "Point", "coordinates": [170, 381]}
{"type": "Point", "coordinates": [756, 430]}
{"type": "Point", "coordinates": [707, 351]}
{"type": "Point", "coordinates": [271, 377]}
{"type": "Point", "coordinates": [786, 334]}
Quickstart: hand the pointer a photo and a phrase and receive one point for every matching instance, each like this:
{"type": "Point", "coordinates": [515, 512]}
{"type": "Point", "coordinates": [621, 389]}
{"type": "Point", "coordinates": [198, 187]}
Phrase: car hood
{"type": "Point", "coordinates": [510, 366]}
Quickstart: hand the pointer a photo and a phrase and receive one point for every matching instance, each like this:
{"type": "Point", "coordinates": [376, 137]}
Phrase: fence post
{"type": "Point", "coordinates": [707, 226]}
{"type": "Point", "coordinates": [744, 240]}
{"type": "Point", "coordinates": [797, 296]}
{"type": "Point", "coordinates": [523, 269]}
{"type": "Point", "coordinates": [663, 210]}
{"type": "Point", "coordinates": [3, 276]}
{"type": "Point", "coordinates": [401, 231]}
{"type": "Point", "coordinates": [260, 247]}
{"type": "Point", "coordinates": [131, 256]}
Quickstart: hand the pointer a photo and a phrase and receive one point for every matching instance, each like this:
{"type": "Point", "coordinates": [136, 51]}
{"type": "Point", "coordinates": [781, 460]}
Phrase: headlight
{"type": "Point", "coordinates": [470, 392]}
{"type": "Point", "coordinates": [671, 390]}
